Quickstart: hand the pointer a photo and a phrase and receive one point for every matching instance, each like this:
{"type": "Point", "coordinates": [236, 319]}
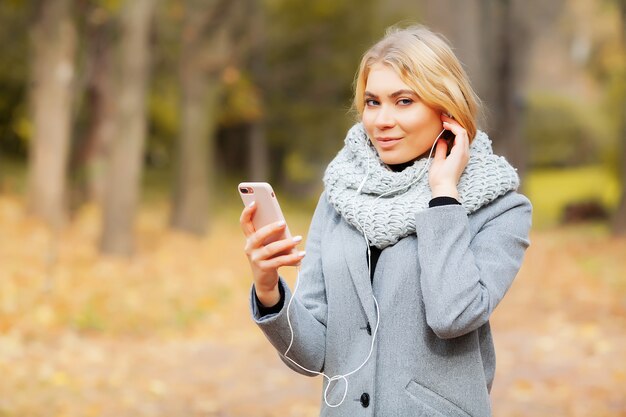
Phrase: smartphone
{"type": "Point", "coordinates": [267, 207]}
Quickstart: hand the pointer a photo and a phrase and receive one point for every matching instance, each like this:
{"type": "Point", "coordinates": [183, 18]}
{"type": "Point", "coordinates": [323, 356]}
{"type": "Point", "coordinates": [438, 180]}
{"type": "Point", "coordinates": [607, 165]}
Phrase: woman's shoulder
{"type": "Point", "coordinates": [513, 204]}
{"type": "Point", "coordinates": [513, 198]}
{"type": "Point", "coordinates": [324, 209]}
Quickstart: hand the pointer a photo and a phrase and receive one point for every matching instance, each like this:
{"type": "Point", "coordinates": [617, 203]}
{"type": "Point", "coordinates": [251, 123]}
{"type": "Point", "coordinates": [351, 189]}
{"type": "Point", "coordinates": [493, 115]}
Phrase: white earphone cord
{"type": "Point", "coordinates": [369, 266]}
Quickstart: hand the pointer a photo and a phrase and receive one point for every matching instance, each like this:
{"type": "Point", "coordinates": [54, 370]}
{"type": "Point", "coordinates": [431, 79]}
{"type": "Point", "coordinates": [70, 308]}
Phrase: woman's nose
{"type": "Point", "coordinates": [384, 117]}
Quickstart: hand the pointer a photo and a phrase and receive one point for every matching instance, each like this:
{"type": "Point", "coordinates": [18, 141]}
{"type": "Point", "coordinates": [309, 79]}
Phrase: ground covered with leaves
{"type": "Point", "coordinates": [167, 333]}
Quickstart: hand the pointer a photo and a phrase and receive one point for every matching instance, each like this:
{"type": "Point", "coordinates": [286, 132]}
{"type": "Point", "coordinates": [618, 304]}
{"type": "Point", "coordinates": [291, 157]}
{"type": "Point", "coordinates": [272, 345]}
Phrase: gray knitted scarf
{"type": "Point", "coordinates": [385, 207]}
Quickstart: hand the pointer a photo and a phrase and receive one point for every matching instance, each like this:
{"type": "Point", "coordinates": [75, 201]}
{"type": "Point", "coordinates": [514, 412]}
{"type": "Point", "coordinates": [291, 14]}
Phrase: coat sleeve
{"type": "Point", "coordinates": [465, 275]}
{"type": "Point", "coordinates": [308, 309]}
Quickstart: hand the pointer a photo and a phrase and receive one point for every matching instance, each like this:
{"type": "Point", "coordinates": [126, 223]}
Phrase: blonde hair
{"type": "Point", "coordinates": [425, 62]}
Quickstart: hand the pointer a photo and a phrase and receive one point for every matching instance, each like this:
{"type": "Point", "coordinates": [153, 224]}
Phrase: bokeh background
{"type": "Point", "coordinates": [125, 126]}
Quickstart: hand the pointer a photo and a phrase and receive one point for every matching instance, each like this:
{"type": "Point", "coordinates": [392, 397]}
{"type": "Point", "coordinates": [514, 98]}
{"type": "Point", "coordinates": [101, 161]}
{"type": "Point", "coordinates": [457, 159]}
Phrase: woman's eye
{"type": "Point", "coordinates": [371, 102]}
{"type": "Point", "coordinates": [405, 101]}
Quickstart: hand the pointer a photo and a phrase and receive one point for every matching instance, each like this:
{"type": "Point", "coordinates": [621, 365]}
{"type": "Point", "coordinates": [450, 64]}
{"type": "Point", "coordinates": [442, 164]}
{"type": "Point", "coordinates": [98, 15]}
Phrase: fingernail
{"type": "Point", "coordinates": [252, 204]}
{"type": "Point", "coordinates": [301, 253]}
{"type": "Point", "coordinates": [297, 238]}
{"type": "Point", "coordinates": [280, 223]}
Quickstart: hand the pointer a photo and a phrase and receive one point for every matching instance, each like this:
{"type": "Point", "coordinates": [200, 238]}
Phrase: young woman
{"type": "Point", "coordinates": [407, 254]}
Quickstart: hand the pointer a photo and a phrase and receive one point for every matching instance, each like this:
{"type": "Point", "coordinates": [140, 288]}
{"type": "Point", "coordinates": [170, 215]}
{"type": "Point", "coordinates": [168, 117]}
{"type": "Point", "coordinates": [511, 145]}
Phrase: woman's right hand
{"type": "Point", "coordinates": [445, 171]}
{"type": "Point", "coordinates": [266, 259]}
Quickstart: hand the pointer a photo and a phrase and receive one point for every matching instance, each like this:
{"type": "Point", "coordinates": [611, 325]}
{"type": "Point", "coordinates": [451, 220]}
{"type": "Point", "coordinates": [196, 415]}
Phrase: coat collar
{"type": "Point", "coordinates": [355, 254]}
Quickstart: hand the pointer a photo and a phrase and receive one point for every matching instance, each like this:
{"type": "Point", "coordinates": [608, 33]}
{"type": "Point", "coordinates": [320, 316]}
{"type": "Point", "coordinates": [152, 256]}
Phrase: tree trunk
{"type": "Point", "coordinates": [124, 168]}
{"type": "Point", "coordinates": [1, 175]}
{"type": "Point", "coordinates": [259, 157]}
{"type": "Point", "coordinates": [459, 22]}
{"type": "Point", "coordinates": [53, 48]}
{"type": "Point", "coordinates": [191, 181]}
{"type": "Point", "coordinates": [619, 219]}
{"type": "Point", "coordinates": [204, 50]}
{"type": "Point", "coordinates": [191, 187]}
{"type": "Point", "coordinates": [258, 161]}
{"type": "Point", "coordinates": [90, 157]}
{"type": "Point", "coordinates": [486, 36]}
{"type": "Point", "coordinates": [509, 101]}
{"type": "Point", "coordinates": [487, 89]}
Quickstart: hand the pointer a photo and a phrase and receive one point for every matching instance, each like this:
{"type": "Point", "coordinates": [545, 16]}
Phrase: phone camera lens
{"type": "Point", "coordinates": [243, 190]}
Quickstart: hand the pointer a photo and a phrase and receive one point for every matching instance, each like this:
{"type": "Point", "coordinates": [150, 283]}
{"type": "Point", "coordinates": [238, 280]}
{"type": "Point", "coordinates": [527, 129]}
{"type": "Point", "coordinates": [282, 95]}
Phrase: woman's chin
{"type": "Point", "coordinates": [396, 159]}
{"type": "Point", "coordinates": [393, 162]}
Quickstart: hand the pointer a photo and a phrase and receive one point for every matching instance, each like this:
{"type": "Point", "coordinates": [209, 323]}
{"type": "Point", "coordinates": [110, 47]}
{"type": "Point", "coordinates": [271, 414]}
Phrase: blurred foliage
{"type": "Point", "coordinates": [242, 98]}
{"type": "Point", "coordinates": [608, 66]}
{"type": "Point", "coordinates": [292, 70]}
{"type": "Point", "coordinates": [164, 94]}
{"type": "Point", "coordinates": [14, 127]}
{"type": "Point", "coordinates": [163, 111]}
{"type": "Point", "coordinates": [552, 189]}
{"type": "Point", "coordinates": [563, 132]}
{"type": "Point", "coordinates": [302, 87]}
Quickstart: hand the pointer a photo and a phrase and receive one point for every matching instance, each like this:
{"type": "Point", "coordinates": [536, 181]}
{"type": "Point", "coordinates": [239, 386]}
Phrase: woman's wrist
{"type": "Point", "coordinates": [268, 298]}
{"type": "Point", "coordinates": [273, 309]}
{"type": "Point", "coordinates": [445, 191]}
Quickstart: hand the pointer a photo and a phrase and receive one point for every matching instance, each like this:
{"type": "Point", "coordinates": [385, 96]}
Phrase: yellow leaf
{"type": "Point", "coordinates": [619, 376]}
{"type": "Point", "coordinates": [522, 389]}
{"type": "Point", "coordinates": [589, 331]}
{"type": "Point", "coordinates": [45, 315]}
{"type": "Point", "coordinates": [157, 387]}
{"type": "Point", "coordinates": [60, 379]}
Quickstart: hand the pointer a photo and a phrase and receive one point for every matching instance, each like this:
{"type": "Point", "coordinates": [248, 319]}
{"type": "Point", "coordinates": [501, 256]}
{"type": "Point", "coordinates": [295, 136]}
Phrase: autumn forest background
{"type": "Point", "coordinates": [125, 126]}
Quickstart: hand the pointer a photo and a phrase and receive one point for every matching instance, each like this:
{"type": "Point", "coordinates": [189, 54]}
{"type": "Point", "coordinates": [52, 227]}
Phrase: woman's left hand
{"type": "Point", "coordinates": [445, 171]}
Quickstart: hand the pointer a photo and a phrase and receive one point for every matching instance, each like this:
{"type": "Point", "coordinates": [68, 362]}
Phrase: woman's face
{"type": "Point", "coordinates": [400, 126]}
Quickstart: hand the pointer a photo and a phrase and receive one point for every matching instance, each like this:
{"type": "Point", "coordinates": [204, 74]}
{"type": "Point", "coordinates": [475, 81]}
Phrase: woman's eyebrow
{"type": "Point", "coordinates": [392, 95]}
{"type": "Point", "coordinates": [402, 93]}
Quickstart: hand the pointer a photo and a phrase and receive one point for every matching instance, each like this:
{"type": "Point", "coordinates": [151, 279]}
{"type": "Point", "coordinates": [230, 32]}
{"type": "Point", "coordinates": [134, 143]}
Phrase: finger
{"type": "Point", "coordinates": [459, 155]}
{"type": "Point", "coordinates": [291, 259]}
{"type": "Point", "coordinates": [281, 246]}
{"type": "Point", "coordinates": [274, 249]}
{"type": "Point", "coordinates": [245, 220]}
{"type": "Point", "coordinates": [454, 127]}
{"type": "Point", "coordinates": [272, 231]}
{"type": "Point", "coordinates": [441, 150]}
{"type": "Point", "coordinates": [461, 144]}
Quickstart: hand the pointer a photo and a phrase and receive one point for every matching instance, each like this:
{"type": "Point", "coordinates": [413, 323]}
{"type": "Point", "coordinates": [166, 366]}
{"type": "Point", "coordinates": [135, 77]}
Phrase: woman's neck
{"type": "Point", "coordinates": [400, 167]}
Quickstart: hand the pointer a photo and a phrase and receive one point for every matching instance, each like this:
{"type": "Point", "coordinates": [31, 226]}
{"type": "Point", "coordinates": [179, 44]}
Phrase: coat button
{"type": "Point", "coordinates": [365, 400]}
{"type": "Point", "coordinates": [369, 329]}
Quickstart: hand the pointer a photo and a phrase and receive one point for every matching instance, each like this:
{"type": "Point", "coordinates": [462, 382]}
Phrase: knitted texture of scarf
{"type": "Point", "coordinates": [387, 218]}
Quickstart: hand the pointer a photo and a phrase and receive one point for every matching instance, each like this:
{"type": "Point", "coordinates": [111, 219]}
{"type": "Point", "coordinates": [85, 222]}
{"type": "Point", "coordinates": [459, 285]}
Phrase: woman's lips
{"type": "Point", "coordinates": [386, 143]}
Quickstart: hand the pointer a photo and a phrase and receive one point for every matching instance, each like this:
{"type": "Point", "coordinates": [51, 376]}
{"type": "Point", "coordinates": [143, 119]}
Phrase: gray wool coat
{"type": "Point", "coordinates": [433, 354]}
